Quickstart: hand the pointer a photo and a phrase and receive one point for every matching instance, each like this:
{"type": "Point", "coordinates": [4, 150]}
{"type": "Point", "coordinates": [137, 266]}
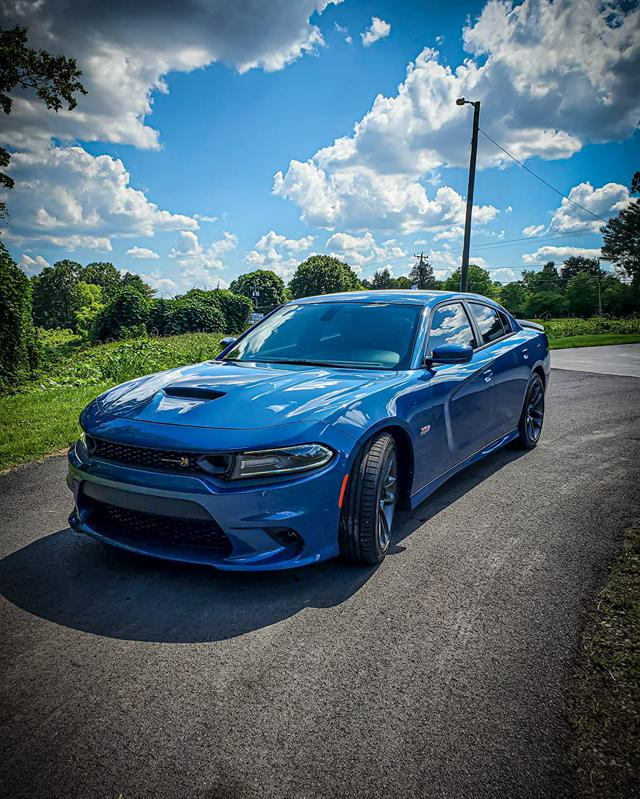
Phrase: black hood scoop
{"type": "Point", "coordinates": [201, 393]}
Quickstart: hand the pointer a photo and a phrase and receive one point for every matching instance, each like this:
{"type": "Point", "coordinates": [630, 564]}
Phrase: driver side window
{"type": "Point", "coordinates": [450, 325]}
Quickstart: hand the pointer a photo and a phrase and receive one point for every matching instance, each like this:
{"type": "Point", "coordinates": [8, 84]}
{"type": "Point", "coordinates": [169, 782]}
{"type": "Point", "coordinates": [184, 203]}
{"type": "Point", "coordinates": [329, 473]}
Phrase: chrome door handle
{"type": "Point", "coordinates": [488, 374]}
{"type": "Point", "coordinates": [525, 354]}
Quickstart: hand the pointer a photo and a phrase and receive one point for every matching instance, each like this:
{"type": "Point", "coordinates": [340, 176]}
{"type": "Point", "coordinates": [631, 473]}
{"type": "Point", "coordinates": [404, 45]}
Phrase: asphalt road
{"type": "Point", "coordinates": [443, 673]}
{"type": "Point", "coordinates": [615, 359]}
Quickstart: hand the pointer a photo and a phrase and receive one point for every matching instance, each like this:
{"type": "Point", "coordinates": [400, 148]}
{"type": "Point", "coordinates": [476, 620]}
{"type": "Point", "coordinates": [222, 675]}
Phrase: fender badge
{"type": "Point", "coordinates": [424, 430]}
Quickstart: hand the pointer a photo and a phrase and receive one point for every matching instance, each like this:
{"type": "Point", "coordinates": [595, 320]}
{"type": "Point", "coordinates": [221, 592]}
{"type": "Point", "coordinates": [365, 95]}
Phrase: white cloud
{"type": "Point", "coordinates": [359, 251]}
{"type": "Point", "coordinates": [164, 286]}
{"type": "Point", "coordinates": [439, 39]}
{"type": "Point", "coordinates": [552, 76]}
{"type": "Point", "coordinates": [204, 218]}
{"type": "Point", "coordinates": [33, 265]}
{"type": "Point", "coordinates": [532, 230]}
{"type": "Point", "coordinates": [445, 260]}
{"type": "Point", "coordinates": [360, 198]}
{"type": "Point", "coordinates": [142, 252]}
{"type": "Point", "coordinates": [379, 29]}
{"type": "Point", "coordinates": [277, 252]}
{"type": "Point", "coordinates": [508, 209]}
{"type": "Point", "coordinates": [72, 199]}
{"type": "Point", "coordinates": [558, 254]}
{"type": "Point", "coordinates": [124, 52]}
{"type": "Point", "coordinates": [199, 263]}
{"type": "Point", "coordinates": [503, 275]}
{"type": "Point", "coordinates": [606, 201]}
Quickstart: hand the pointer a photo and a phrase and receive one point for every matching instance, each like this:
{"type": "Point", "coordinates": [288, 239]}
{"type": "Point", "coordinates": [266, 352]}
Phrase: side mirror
{"type": "Point", "coordinates": [227, 342]}
{"type": "Point", "coordinates": [450, 353]}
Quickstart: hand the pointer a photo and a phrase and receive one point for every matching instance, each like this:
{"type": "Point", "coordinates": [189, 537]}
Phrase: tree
{"type": "Point", "coordinates": [160, 315]}
{"type": "Point", "coordinates": [479, 282]}
{"type": "Point", "coordinates": [125, 316]}
{"type": "Point", "coordinates": [621, 237]}
{"type": "Point", "coordinates": [620, 299]}
{"type": "Point", "coordinates": [90, 301]}
{"type": "Point", "coordinates": [195, 315]}
{"type": "Point", "coordinates": [546, 304]}
{"type": "Point", "coordinates": [235, 308]}
{"type": "Point", "coordinates": [104, 274]}
{"type": "Point", "coordinates": [383, 279]}
{"type": "Point", "coordinates": [53, 78]}
{"type": "Point", "coordinates": [577, 264]}
{"type": "Point", "coordinates": [55, 300]}
{"type": "Point", "coordinates": [269, 287]}
{"type": "Point", "coordinates": [514, 298]}
{"type": "Point", "coordinates": [135, 282]}
{"type": "Point", "coordinates": [403, 282]}
{"type": "Point", "coordinates": [421, 276]}
{"type": "Point", "coordinates": [18, 351]}
{"type": "Point", "coordinates": [581, 294]}
{"type": "Point", "coordinates": [323, 274]}
{"type": "Point", "coordinates": [546, 280]}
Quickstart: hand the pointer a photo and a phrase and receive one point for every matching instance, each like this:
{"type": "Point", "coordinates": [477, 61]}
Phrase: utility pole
{"type": "Point", "coordinates": [420, 263]}
{"type": "Point", "coordinates": [464, 271]}
{"type": "Point", "coordinates": [599, 288]}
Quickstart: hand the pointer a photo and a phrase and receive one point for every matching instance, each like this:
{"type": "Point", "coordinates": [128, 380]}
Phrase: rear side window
{"type": "Point", "coordinates": [506, 322]}
{"type": "Point", "coordinates": [450, 325]}
{"type": "Point", "coordinates": [488, 322]}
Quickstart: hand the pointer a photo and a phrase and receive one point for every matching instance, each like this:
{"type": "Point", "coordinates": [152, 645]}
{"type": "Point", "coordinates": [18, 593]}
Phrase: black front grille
{"type": "Point", "coordinates": [131, 526]}
{"type": "Point", "coordinates": [165, 460]}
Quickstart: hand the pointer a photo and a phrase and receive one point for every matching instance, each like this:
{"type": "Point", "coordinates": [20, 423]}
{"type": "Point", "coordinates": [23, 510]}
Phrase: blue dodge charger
{"type": "Point", "coordinates": [302, 438]}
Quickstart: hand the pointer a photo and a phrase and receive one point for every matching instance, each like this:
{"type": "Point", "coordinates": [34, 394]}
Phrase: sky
{"type": "Point", "coordinates": [227, 137]}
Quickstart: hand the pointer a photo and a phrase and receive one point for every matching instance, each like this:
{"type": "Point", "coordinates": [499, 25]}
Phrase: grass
{"type": "Point", "coordinates": [36, 424]}
{"type": "Point", "coordinates": [593, 340]}
{"type": "Point", "coordinates": [605, 710]}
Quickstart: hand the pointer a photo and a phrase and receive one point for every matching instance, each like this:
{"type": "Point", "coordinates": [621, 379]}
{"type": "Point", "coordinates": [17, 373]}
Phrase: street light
{"type": "Point", "coordinates": [464, 271]}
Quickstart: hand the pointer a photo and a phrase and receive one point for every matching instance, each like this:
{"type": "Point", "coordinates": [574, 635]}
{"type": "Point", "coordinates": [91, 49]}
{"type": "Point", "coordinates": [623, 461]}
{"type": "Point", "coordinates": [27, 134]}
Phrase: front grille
{"type": "Point", "coordinates": [165, 460]}
{"type": "Point", "coordinates": [133, 527]}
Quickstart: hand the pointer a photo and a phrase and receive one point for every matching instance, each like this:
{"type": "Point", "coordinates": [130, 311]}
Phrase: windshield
{"type": "Point", "coordinates": [372, 335]}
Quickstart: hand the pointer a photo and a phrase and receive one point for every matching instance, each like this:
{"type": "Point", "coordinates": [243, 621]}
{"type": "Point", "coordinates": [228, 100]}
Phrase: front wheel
{"type": "Point", "coordinates": [532, 417]}
{"type": "Point", "coordinates": [370, 502]}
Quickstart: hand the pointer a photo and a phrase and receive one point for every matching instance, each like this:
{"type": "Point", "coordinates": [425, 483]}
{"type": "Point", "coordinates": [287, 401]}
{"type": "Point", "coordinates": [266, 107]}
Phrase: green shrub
{"type": "Point", "coordinates": [18, 350]}
{"type": "Point", "coordinates": [160, 314]}
{"type": "Point", "coordinates": [563, 328]}
{"type": "Point", "coordinates": [124, 317]}
{"type": "Point", "coordinates": [236, 310]}
{"type": "Point", "coordinates": [193, 315]}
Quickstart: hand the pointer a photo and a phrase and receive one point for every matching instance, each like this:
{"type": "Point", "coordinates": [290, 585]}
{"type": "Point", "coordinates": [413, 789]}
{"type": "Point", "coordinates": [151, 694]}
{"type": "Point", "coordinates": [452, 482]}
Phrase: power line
{"type": "Point", "coordinates": [542, 180]}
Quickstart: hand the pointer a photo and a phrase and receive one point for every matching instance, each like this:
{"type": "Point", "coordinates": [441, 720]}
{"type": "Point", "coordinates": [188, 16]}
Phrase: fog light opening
{"type": "Point", "coordinates": [286, 537]}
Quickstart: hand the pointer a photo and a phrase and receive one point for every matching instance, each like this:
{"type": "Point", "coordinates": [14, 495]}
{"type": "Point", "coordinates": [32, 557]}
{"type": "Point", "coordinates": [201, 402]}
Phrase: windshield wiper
{"type": "Point", "coordinates": [297, 362]}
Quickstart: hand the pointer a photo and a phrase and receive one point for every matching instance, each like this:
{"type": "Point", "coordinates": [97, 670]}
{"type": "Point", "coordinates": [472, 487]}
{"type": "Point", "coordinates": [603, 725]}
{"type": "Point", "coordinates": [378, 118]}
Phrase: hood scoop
{"type": "Point", "coordinates": [199, 393]}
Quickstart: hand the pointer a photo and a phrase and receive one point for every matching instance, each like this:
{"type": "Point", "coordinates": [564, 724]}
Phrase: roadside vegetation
{"type": "Point", "coordinates": [605, 710]}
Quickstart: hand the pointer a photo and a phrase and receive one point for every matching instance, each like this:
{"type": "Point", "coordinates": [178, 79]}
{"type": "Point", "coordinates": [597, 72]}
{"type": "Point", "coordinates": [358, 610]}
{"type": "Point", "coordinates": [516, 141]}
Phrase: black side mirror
{"type": "Point", "coordinates": [450, 353]}
{"type": "Point", "coordinates": [227, 342]}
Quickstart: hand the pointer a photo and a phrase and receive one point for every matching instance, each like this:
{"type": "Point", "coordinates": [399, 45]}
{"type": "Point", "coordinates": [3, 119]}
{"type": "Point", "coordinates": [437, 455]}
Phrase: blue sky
{"type": "Point", "coordinates": [167, 167]}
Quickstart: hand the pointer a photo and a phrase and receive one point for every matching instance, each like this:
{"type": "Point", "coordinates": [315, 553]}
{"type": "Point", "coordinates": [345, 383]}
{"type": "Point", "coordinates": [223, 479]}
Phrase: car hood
{"type": "Point", "coordinates": [240, 396]}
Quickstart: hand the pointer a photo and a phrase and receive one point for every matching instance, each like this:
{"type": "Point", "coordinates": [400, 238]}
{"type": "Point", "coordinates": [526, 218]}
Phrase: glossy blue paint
{"type": "Point", "coordinates": [446, 415]}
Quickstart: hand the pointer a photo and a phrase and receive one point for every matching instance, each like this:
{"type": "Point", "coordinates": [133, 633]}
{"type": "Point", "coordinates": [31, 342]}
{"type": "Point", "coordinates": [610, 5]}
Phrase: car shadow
{"type": "Point", "coordinates": [72, 580]}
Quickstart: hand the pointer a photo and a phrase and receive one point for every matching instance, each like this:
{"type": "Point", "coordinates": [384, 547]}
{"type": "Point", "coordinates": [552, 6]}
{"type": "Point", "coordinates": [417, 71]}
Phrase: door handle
{"type": "Point", "coordinates": [525, 354]}
{"type": "Point", "coordinates": [488, 374]}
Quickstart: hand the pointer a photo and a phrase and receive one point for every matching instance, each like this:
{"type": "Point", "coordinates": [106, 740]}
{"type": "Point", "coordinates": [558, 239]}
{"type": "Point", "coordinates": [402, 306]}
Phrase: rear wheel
{"type": "Point", "coordinates": [372, 492]}
{"type": "Point", "coordinates": [532, 417]}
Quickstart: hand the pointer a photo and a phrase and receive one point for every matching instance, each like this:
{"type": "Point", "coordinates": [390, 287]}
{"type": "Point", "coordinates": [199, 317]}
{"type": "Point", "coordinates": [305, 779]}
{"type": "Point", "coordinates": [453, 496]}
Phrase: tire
{"type": "Point", "coordinates": [366, 523]}
{"type": "Point", "coordinates": [532, 416]}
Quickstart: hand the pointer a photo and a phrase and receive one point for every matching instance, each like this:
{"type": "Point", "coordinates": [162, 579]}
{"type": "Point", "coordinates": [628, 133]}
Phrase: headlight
{"type": "Point", "coordinates": [300, 458]}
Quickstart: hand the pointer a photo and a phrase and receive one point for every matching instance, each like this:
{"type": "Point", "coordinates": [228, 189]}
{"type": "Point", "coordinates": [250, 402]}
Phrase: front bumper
{"type": "Point", "coordinates": [284, 523]}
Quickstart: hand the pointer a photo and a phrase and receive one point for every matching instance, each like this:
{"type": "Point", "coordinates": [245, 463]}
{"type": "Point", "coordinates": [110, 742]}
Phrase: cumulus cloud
{"type": "Point", "coordinates": [65, 196]}
{"type": "Point", "coordinates": [124, 51]}
{"type": "Point", "coordinates": [543, 254]}
{"type": "Point", "coordinates": [503, 275]}
{"type": "Point", "coordinates": [379, 29]}
{"type": "Point", "coordinates": [142, 252]}
{"type": "Point", "coordinates": [32, 265]}
{"type": "Point", "coordinates": [555, 75]}
{"type": "Point", "coordinates": [276, 252]}
{"type": "Point", "coordinates": [198, 264]}
{"type": "Point", "coordinates": [533, 230]}
{"type": "Point", "coordinates": [205, 218]}
{"type": "Point", "coordinates": [606, 201]}
{"type": "Point", "coordinates": [359, 251]}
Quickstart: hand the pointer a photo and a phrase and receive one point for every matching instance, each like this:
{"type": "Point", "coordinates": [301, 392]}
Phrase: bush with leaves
{"type": "Point", "coordinates": [18, 349]}
{"type": "Point", "coordinates": [125, 316]}
{"type": "Point", "coordinates": [235, 308]}
{"type": "Point", "coordinates": [192, 315]}
{"type": "Point", "coordinates": [323, 274]}
{"type": "Point", "coordinates": [270, 288]}
{"type": "Point", "coordinates": [160, 314]}
{"type": "Point", "coordinates": [90, 301]}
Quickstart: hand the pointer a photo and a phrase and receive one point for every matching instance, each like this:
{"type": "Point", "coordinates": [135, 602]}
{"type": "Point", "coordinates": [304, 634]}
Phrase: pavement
{"type": "Point", "coordinates": [614, 359]}
{"type": "Point", "coordinates": [442, 673]}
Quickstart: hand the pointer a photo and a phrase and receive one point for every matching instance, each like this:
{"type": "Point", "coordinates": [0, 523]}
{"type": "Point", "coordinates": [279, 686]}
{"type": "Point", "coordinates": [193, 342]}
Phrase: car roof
{"type": "Point", "coordinates": [399, 296]}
